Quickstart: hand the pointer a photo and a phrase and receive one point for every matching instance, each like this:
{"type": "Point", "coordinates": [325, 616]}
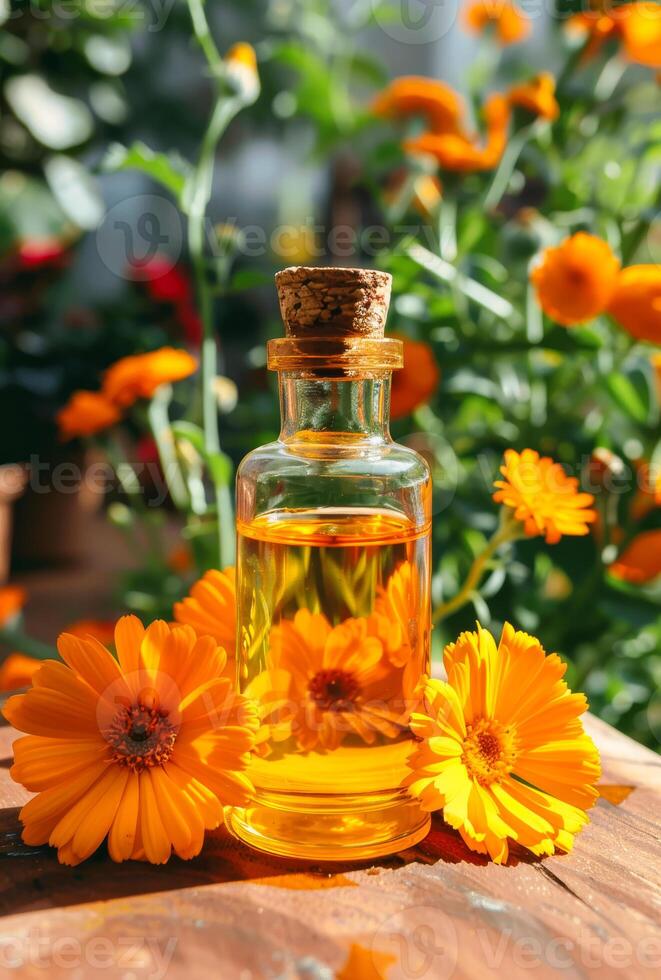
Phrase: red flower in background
{"type": "Point", "coordinates": [40, 252]}
{"type": "Point", "coordinates": [168, 283]}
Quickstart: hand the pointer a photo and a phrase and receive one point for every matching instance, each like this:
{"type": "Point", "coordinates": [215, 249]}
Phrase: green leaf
{"type": "Point", "coordinates": [626, 396]}
{"type": "Point", "coordinates": [220, 467]}
{"type": "Point", "coordinates": [169, 170]}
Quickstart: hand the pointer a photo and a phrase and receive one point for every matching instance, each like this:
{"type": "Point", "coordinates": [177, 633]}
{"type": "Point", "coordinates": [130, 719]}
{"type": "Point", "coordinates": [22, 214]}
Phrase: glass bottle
{"type": "Point", "coordinates": [333, 583]}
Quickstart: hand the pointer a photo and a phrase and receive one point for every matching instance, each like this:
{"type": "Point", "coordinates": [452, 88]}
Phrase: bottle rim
{"type": "Point", "coordinates": [348, 356]}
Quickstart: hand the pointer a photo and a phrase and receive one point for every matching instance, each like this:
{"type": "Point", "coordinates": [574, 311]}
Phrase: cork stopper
{"type": "Point", "coordinates": [332, 303]}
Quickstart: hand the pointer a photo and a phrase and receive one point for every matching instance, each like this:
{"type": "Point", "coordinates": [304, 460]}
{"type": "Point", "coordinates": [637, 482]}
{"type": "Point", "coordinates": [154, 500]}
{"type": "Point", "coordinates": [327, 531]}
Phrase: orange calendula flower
{"type": "Point", "coordinates": [144, 750]}
{"type": "Point", "coordinates": [536, 96]}
{"type": "Point", "coordinates": [457, 151]}
{"type": "Point", "coordinates": [509, 23]}
{"type": "Point", "coordinates": [85, 414]}
{"type": "Point", "coordinates": [503, 750]}
{"type": "Point", "coordinates": [12, 600]}
{"type": "Point", "coordinates": [636, 302]}
{"type": "Point", "coordinates": [337, 683]}
{"type": "Point", "coordinates": [640, 562]}
{"type": "Point", "coordinates": [437, 103]}
{"type": "Point", "coordinates": [210, 608]}
{"type": "Point", "coordinates": [575, 281]}
{"type": "Point", "coordinates": [102, 630]}
{"type": "Point", "coordinates": [139, 375]}
{"type": "Point", "coordinates": [17, 670]}
{"type": "Point", "coordinates": [543, 497]}
{"type": "Point", "coordinates": [416, 382]}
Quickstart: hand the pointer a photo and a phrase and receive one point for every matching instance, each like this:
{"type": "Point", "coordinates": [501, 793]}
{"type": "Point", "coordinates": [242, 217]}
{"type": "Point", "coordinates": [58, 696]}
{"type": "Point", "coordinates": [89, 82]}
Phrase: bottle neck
{"type": "Point", "coordinates": [321, 409]}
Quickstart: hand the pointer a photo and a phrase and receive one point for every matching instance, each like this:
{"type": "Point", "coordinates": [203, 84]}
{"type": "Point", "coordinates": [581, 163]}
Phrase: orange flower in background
{"type": "Point", "coordinates": [636, 302]}
{"type": "Point", "coordinates": [17, 671]}
{"type": "Point", "coordinates": [145, 749]}
{"type": "Point", "coordinates": [543, 497]}
{"type": "Point", "coordinates": [426, 192]}
{"type": "Point", "coordinates": [139, 375]}
{"type": "Point", "coordinates": [415, 383]}
{"type": "Point", "coordinates": [640, 562]}
{"type": "Point", "coordinates": [459, 152]}
{"type": "Point", "coordinates": [102, 630]}
{"type": "Point", "coordinates": [210, 608]}
{"type": "Point", "coordinates": [12, 600]}
{"type": "Point", "coordinates": [537, 96]}
{"type": "Point", "coordinates": [180, 559]}
{"type": "Point", "coordinates": [575, 281]}
{"type": "Point", "coordinates": [503, 750]}
{"type": "Point", "coordinates": [509, 23]}
{"type": "Point", "coordinates": [85, 414]}
{"type": "Point", "coordinates": [596, 26]}
{"type": "Point", "coordinates": [439, 105]}
{"type": "Point", "coordinates": [336, 682]}
{"type": "Point", "coordinates": [241, 67]}
{"type": "Point", "coordinates": [648, 495]}
{"type": "Point", "coordinates": [640, 28]}
{"type": "Point", "coordinates": [636, 25]}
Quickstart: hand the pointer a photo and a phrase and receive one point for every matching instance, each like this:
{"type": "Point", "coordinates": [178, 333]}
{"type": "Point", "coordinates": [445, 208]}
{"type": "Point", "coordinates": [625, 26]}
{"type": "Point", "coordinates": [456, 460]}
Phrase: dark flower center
{"type": "Point", "coordinates": [141, 737]}
{"type": "Point", "coordinates": [333, 690]}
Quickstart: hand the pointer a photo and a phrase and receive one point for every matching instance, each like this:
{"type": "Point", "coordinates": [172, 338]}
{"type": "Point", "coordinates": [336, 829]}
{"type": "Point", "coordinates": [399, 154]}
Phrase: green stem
{"type": "Point", "coordinates": [472, 289]}
{"type": "Point", "coordinates": [159, 422]}
{"type": "Point", "coordinates": [228, 104]}
{"type": "Point", "coordinates": [505, 169]}
{"type": "Point", "coordinates": [634, 237]}
{"type": "Point", "coordinates": [130, 484]}
{"type": "Point", "coordinates": [509, 530]}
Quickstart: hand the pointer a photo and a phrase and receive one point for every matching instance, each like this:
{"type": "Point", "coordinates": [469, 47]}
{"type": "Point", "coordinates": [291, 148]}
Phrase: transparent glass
{"type": "Point", "coordinates": [333, 622]}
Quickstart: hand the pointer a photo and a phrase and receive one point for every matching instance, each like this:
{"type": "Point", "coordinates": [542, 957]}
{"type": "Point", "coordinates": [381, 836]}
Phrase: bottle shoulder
{"type": "Point", "coordinates": [383, 457]}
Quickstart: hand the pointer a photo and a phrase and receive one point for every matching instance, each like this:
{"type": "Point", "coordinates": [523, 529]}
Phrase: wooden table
{"type": "Point", "coordinates": [435, 912]}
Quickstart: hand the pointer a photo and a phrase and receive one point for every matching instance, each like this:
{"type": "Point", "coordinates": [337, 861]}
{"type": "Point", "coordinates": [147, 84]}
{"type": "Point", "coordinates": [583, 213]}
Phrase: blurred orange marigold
{"type": "Point", "coordinates": [416, 382]}
{"type": "Point", "coordinates": [85, 414]}
{"type": "Point", "coordinates": [509, 22]}
{"type": "Point", "coordinates": [12, 600]}
{"type": "Point", "coordinates": [636, 302]}
{"type": "Point", "coordinates": [139, 375]}
{"type": "Point", "coordinates": [636, 25]}
{"type": "Point", "coordinates": [17, 671]}
{"type": "Point", "coordinates": [576, 280]}
{"type": "Point", "coordinates": [459, 152]}
{"type": "Point", "coordinates": [413, 95]}
{"type": "Point", "coordinates": [543, 497]}
{"type": "Point", "coordinates": [640, 561]}
{"type": "Point", "coordinates": [537, 96]}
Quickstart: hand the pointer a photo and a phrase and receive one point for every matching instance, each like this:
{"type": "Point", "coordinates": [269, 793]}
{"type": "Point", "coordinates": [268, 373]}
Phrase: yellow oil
{"type": "Point", "coordinates": [333, 641]}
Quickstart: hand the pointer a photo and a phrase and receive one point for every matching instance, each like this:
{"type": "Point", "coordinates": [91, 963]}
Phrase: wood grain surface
{"type": "Point", "coordinates": [435, 912]}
